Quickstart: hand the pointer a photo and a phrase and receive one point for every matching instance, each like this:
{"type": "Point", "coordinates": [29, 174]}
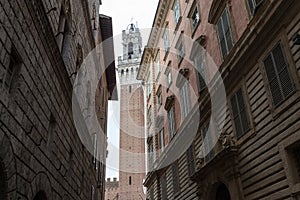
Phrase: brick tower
{"type": "Point", "coordinates": [132, 143]}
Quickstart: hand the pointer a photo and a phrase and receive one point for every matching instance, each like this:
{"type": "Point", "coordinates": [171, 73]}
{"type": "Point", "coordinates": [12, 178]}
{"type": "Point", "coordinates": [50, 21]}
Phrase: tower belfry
{"type": "Point", "coordinates": [132, 142]}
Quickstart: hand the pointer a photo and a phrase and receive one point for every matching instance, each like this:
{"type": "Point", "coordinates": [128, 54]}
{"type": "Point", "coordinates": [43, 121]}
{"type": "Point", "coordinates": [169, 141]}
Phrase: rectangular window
{"type": "Point", "coordinates": [225, 33]}
{"type": "Point", "coordinates": [162, 140]}
{"type": "Point", "coordinates": [171, 121]}
{"type": "Point", "coordinates": [163, 186]}
{"type": "Point", "coordinates": [191, 160]}
{"type": "Point", "coordinates": [150, 154]}
{"type": "Point", "coordinates": [253, 4]}
{"type": "Point", "coordinates": [166, 40]}
{"type": "Point", "coordinates": [157, 66]}
{"type": "Point", "coordinates": [208, 143]}
{"type": "Point", "coordinates": [159, 99]}
{"type": "Point", "coordinates": [175, 175]}
{"type": "Point", "coordinates": [239, 112]}
{"type": "Point", "coordinates": [11, 71]}
{"type": "Point", "coordinates": [199, 62]}
{"type": "Point", "coordinates": [176, 11]}
{"type": "Point", "coordinates": [151, 193]}
{"type": "Point", "coordinates": [280, 81]}
{"type": "Point", "coordinates": [149, 86]}
{"type": "Point", "coordinates": [169, 78]}
{"type": "Point", "coordinates": [296, 157]}
{"type": "Point", "coordinates": [180, 49]}
{"type": "Point", "coordinates": [185, 100]}
{"type": "Point", "coordinates": [194, 17]}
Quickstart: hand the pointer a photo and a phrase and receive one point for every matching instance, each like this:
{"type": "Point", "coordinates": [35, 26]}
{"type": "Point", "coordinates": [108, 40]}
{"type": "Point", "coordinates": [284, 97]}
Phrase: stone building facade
{"type": "Point", "coordinates": [43, 45]}
{"type": "Point", "coordinates": [254, 44]}
{"type": "Point", "coordinates": [132, 139]}
{"type": "Point", "coordinates": [112, 189]}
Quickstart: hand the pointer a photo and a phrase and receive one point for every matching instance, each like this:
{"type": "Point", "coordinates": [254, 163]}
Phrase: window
{"type": "Point", "coordinates": [130, 181]}
{"type": "Point", "coordinates": [157, 66]}
{"type": "Point", "coordinates": [130, 50]}
{"type": "Point", "coordinates": [296, 156]}
{"type": "Point", "coordinates": [185, 100]}
{"type": "Point", "coordinates": [159, 98]}
{"type": "Point", "coordinates": [280, 82]}
{"type": "Point", "coordinates": [163, 186]}
{"type": "Point", "coordinates": [149, 86]}
{"type": "Point", "coordinates": [253, 4]}
{"type": "Point", "coordinates": [191, 160]}
{"type": "Point", "coordinates": [176, 11]}
{"type": "Point", "coordinates": [194, 16]}
{"type": "Point", "coordinates": [169, 77]}
{"type": "Point", "coordinates": [95, 156]}
{"type": "Point", "coordinates": [51, 130]}
{"type": "Point", "coordinates": [92, 193]}
{"type": "Point", "coordinates": [199, 62]}
{"type": "Point", "coordinates": [166, 40]}
{"type": "Point", "coordinates": [180, 49]}
{"type": "Point", "coordinates": [63, 35]}
{"type": "Point", "coordinates": [171, 121]}
{"type": "Point", "coordinates": [162, 140]}
{"type": "Point", "coordinates": [239, 113]}
{"type": "Point", "coordinates": [151, 193]}
{"type": "Point", "coordinates": [130, 87]}
{"type": "Point", "coordinates": [207, 143]}
{"type": "Point", "coordinates": [149, 116]}
{"type": "Point", "coordinates": [175, 175]}
{"type": "Point", "coordinates": [12, 70]}
{"type": "Point", "coordinates": [225, 33]}
{"type": "Point", "coordinates": [150, 154]}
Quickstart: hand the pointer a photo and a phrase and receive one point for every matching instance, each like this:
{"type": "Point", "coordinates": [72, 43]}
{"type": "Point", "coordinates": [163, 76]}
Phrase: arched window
{"type": "Point", "coordinates": [130, 50]}
{"type": "Point", "coordinates": [41, 195]}
{"type": "Point", "coordinates": [222, 193]}
{"type": "Point", "coordinates": [3, 186]}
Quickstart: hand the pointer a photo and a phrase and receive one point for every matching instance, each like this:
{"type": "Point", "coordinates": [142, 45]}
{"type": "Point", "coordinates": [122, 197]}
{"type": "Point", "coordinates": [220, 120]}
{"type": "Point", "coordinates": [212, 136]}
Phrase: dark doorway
{"type": "Point", "coordinates": [2, 182]}
{"type": "Point", "coordinates": [41, 195]}
{"type": "Point", "coordinates": [222, 193]}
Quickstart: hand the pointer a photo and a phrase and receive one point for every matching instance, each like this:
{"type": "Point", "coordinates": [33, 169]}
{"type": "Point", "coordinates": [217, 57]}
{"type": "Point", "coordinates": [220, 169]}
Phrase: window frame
{"type": "Point", "coordinates": [180, 47]}
{"type": "Point", "coordinates": [246, 109]}
{"type": "Point", "coordinates": [230, 26]}
{"type": "Point", "coordinates": [185, 99]}
{"type": "Point", "coordinates": [276, 111]}
{"type": "Point", "coordinates": [171, 122]}
{"type": "Point", "coordinates": [195, 6]}
{"type": "Point", "coordinates": [176, 178]}
{"type": "Point", "coordinates": [177, 12]}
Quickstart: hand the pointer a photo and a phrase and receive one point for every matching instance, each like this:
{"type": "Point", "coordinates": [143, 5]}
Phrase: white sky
{"type": "Point", "coordinates": [123, 12]}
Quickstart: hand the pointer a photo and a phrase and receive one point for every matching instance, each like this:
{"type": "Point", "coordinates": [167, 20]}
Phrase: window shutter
{"type": "Point", "coordinates": [175, 178]}
{"type": "Point", "coordinates": [239, 111]}
{"type": "Point", "coordinates": [273, 82]}
{"type": "Point", "coordinates": [163, 183]}
{"type": "Point", "coordinates": [221, 38]}
{"type": "Point", "coordinates": [282, 68]}
{"type": "Point", "coordinates": [251, 6]}
{"type": "Point", "coordinates": [191, 161]}
{"type": "Point", "coordinates": [280, 82]}
{"type": "Point", "coordinates": [227, 30]}
{"type": "Point", "coordinates": [236, 118]}
{"type": "Point", "coordinates": [243, 113]}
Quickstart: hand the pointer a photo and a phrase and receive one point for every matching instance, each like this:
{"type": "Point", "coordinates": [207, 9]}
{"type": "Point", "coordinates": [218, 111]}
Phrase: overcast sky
{"type": "Point", "coordinates": [124, 12]}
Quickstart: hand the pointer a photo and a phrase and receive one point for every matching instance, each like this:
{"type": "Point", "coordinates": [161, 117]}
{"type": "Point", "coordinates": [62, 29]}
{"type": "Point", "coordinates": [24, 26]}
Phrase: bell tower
{"type": "Point", "coordinates": [132, 139]}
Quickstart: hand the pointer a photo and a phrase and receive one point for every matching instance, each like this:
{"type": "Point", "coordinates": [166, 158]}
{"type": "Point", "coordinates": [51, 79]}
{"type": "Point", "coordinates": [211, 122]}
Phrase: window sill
{"type": "Point", "coordinates": [246, 137]}
{"type": "Point", "coordinates": [279, 109]}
